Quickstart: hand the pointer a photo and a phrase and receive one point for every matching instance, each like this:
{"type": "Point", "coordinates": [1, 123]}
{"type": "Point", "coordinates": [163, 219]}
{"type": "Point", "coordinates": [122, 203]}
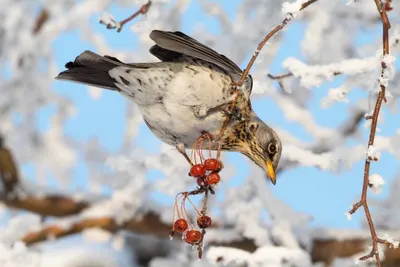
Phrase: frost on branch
{"type": "Point", "coordinates": [388, 70]}
{"type": "Point", "coordinates": [108, 20]}
{"type": "Point", "coordinates": [292, 9]}
{"type": "Point", "coordinates": [373, 154]}
{"type": "Point", "coordinates": [391, 240]}
{"type": "Point", "coordinates": [376, 183]}
{"type": "Point", "coordinates": [315, 75]}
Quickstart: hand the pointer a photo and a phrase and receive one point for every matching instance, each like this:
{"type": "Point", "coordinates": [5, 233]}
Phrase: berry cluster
{"type": "Point", "coordinates": [184, 225]}
{"type": "Point", "coordinates": [199, 171]}
{"type": "Point", "coordinates": [206, 174]}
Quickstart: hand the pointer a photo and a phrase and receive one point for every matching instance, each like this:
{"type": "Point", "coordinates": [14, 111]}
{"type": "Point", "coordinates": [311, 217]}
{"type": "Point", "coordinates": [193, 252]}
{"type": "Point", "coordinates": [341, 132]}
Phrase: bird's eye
{"type": "Point", "coordinates": [272, 148]}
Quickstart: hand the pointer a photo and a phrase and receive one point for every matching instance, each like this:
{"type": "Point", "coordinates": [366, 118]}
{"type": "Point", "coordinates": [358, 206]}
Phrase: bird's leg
{"type": "Point", "coordinates": [181, 149]}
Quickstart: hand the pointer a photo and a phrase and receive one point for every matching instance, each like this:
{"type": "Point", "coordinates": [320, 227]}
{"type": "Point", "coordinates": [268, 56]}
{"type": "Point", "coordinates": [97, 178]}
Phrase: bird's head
{"type": "Point", "coordinates": [262, 145]}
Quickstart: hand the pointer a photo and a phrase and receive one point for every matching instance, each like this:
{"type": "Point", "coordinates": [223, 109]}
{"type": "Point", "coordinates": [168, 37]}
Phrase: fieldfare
{"type": "Point", "coordinates": [187, 94]}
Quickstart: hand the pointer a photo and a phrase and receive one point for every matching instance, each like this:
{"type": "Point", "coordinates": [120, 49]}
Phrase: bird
{"type": "Point", "coordinates": [8, 170]}
{"type": "Point", "coordinates": [187, 94]}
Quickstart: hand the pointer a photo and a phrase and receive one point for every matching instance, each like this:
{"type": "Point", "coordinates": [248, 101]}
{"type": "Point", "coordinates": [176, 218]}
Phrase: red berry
{"type": "Point", "coordinates": [213, 178]}
{"type": "Point", "coordinates": [197, 170]}
{"type": "Point", "coordinates": [201, 181]}
{"type": "Point", "coordinates": [192, 236]}
{"type": "Point", "coordinates": [203, 221]}
{"type": "Point", "coordinates": [180, 225]}
{"type": "Point", "coordinates": [212, 164]}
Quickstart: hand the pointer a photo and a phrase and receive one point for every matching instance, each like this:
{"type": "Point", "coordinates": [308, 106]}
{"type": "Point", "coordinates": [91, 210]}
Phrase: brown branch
{"type": "Point", "coordinates": [236, 84]}
{"type": "Point", "coordinates": [381, 97]}
{"type": "Point", "coordinates": [266, 39]}
{"type": "Point", "coordinates": [388, 5]}
{"type": "Point", "coordinates": [141, 11]}
{"type": "Point", "coordinates": [52, 205]}
{"type": "Point", "coordinates": [325, 250]}
{"type": "Point", "coordinates": [289, 74]}
{"type": "Point", "coordinates": [41, 20]}
{"type": "Point", "coordinates": [150, 223]}
{"type": "Point", "coordinates": [279, 77]}
{"type": "Point", "coordinates": [55, 231]}
{"type": "Point", "coordinates": [306, 4]}
{"type": "Point", "coordinates": [9, 175]}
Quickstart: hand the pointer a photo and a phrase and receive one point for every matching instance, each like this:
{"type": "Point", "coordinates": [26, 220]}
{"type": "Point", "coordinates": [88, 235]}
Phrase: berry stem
{"type": "Point", "coordinates": [198, 212]}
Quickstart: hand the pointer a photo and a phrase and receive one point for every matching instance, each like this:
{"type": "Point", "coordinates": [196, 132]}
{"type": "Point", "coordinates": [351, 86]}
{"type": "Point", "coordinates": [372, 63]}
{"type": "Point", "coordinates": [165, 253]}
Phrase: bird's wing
{"type": "Point", "coordinates": [170, 46]}
{"type": "Point", "coordinates": [181, 43]}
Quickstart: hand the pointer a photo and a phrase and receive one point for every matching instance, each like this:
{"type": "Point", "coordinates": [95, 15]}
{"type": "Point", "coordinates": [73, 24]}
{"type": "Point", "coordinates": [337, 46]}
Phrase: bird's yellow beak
{"type": "Point", "coordinates": [270, 171]}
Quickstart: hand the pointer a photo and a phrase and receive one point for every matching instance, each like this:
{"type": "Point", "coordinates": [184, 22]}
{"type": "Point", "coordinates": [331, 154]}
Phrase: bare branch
{"type": "Point", "coordinates": [265, 40]}
{"type": "Point", "coordinates": [381, 97]}
{"type": "Point", "coordinates": [260, 46]}
{"type": "Point", "coordinates": [9, 175]}
{"type": "Point", "coordinates": [143, 10]}
{"type": "Point", "coordinates": [43, 17]}
{"type": "Point", "coordinates": [150, 223]}
{"type": "Point", "coordinates": [52, 205]}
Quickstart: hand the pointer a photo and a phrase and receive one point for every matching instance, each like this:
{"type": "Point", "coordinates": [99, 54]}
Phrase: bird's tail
{"type": "Point", "coordinates": [91, 69]}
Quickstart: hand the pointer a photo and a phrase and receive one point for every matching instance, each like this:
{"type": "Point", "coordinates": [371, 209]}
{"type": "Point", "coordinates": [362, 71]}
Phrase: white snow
{"type": "Point", "coordinates": [263, 256]}
{"type": "Point", "coordinates": [376, 183]}
{"type": "Point", "coordinates": [373, 153]}
{"type": "Point", "coordinates": [292, 9]}
{"type": "Point", "coordinates": [124, 171]}
{"type": "Point", "coordinates": [388, 70]}
{"type": "Point", "coordinates": [108, 20]}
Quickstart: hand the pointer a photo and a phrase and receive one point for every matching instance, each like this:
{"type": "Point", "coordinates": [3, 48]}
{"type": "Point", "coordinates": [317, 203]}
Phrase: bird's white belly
{"type": "Point", "coordinates": [178, 123]}
{"type": "Point", "coordinates": [187, 106]}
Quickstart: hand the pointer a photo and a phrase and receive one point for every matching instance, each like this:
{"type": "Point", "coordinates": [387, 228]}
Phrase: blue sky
{"type": "Point", "coordinates": [325, 196]}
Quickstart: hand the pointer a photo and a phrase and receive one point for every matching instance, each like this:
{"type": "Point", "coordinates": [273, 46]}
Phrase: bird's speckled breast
{"type": "Point", "coordinates": [193, 103]}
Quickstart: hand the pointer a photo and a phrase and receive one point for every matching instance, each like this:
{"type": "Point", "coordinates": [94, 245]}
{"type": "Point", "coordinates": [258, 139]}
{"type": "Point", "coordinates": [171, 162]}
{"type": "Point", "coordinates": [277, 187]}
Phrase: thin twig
{"type": "Point", "coordinates": [43, 17]}
{"type": "Point", "coordinates": [279, 77]}
{"type": "Point", "coordinates": [289, 74]}
{"type": "Point", "coordinates": [266, 39]}
{"type": "Point", "coordinates": [49, 205]}
{"type": "Point", "coordinates": [141, 11]}
{"type": "Point", "coordinates": [381, 98]}
{"type": "Point", "coordinates": [239, 83]}
{"type": "Point", "coordinates": [388, 5]}
{"type": "Point", "coordinates": [306, 4]}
